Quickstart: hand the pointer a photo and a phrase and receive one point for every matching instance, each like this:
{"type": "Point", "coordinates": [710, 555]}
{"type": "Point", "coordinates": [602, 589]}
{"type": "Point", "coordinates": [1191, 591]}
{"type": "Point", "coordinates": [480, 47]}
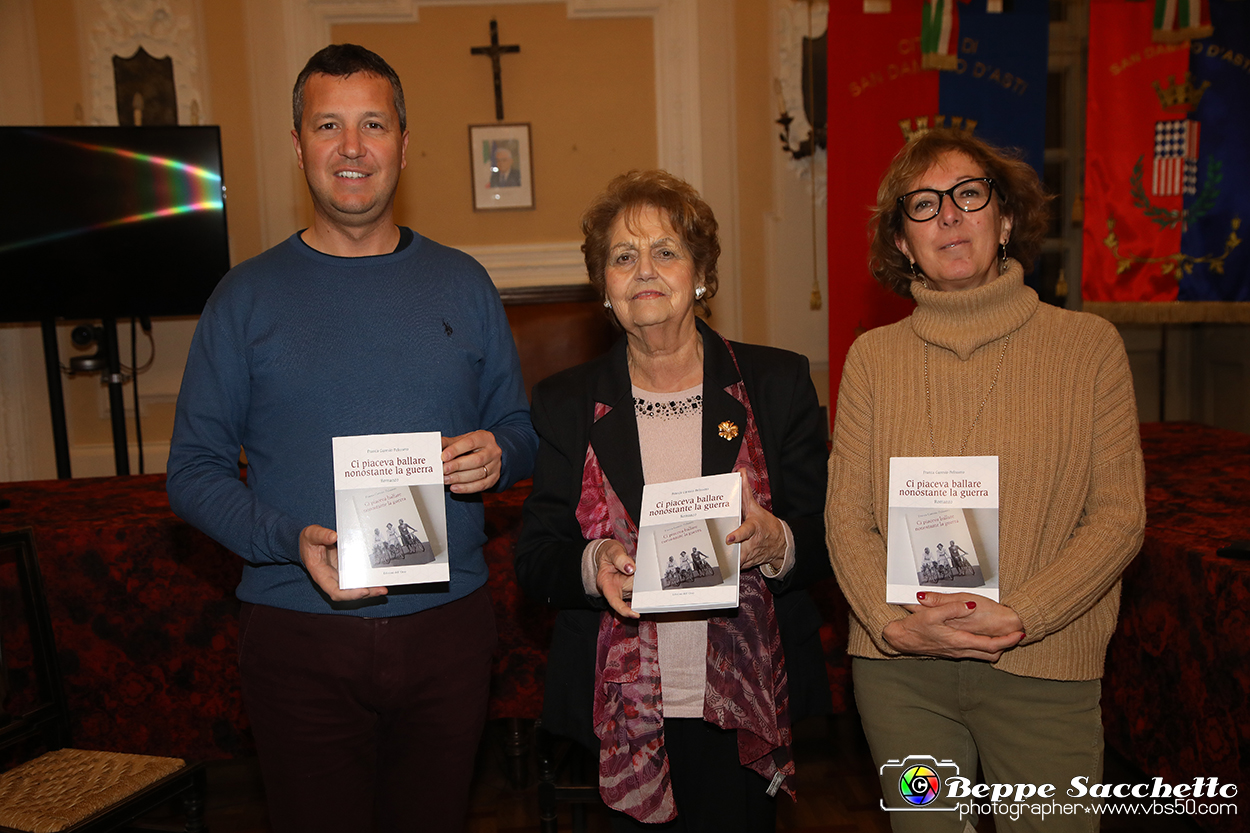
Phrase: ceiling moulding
{"type": "Point", "coordinates": [165, 28]}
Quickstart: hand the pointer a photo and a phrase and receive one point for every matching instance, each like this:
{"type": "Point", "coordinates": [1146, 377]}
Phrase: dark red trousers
{"type": "Point", "coordinates": [367, 724]}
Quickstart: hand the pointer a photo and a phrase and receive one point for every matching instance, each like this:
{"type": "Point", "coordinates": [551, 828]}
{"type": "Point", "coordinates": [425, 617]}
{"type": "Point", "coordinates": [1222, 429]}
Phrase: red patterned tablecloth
{"type": "Point", "coordinates": [1176, 694]}
{"type": "Point", "coordinates": [146, 620]}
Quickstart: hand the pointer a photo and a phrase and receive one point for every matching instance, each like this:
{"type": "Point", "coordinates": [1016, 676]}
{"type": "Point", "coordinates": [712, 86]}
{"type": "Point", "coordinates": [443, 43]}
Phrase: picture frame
{"type": "Point", "coordinates": [501, 162]}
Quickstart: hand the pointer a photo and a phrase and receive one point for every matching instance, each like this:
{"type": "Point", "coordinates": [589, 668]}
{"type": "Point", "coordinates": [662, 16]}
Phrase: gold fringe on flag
{"type": "Point", "coordinates": [1171, 312]}
{"type": "Point", "coordinates": [939, 28]}
{"type": "Point", "coordinates": [1176, 21]}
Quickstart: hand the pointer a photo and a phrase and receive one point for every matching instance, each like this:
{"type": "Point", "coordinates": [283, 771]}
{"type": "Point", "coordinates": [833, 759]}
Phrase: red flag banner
{"type": "Point", "coordinates": [1166, 164]}
{"type": "Point", "coordinates": [1128, 189]}
{"type": "Point", "coordinates": [876, 89]}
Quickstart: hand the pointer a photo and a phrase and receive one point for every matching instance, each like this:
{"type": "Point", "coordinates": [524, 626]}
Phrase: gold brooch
{"type": "Point", "coordinates": [727, 430]}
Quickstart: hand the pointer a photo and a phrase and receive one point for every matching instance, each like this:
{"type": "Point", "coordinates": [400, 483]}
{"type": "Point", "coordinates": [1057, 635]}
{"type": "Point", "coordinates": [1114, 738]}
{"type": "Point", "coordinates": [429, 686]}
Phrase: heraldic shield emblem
{"type": "Point", "coordinates": [1166, 157]}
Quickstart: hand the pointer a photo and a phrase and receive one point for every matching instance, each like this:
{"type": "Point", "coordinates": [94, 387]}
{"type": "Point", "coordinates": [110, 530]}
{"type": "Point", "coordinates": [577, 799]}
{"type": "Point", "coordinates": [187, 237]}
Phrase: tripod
{"type": "Point", "coordinates": [106, 359]}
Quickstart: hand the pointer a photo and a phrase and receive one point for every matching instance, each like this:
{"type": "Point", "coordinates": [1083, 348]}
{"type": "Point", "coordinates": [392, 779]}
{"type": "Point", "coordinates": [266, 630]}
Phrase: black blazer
{"type": "Point", "coordinates": [549, 552]}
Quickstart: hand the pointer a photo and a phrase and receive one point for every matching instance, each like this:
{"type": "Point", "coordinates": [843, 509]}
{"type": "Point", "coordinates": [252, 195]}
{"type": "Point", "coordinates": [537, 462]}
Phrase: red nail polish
{"type": "Point", "coordinates": [971, 605]}
{"type": "Point", "coordinates": [920, 596]}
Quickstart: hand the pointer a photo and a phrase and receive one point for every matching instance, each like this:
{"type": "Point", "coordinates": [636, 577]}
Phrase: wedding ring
{"type": "Point", "coordinates": [485, 473]}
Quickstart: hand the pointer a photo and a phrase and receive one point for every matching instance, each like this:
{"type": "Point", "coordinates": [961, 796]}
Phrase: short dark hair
{"type": "Point", "coordinates": [340, 60]}
{"type": "Point", "coordinates": [1016, 185]}
{"type": "Point", "coordinates": [683, 209]}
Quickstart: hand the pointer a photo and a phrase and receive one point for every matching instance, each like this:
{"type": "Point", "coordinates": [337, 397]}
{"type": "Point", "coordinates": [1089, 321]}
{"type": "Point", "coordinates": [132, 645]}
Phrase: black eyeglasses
{"type": "Point", "coordinates": [968, 196]}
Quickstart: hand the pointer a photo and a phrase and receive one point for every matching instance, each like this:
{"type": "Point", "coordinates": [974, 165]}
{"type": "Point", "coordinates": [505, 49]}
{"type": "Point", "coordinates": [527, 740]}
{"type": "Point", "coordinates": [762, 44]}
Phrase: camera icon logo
{"type": "Point", "coordinates": [920, 785]}
{"type": "Point", "coordinates": [920, 779]}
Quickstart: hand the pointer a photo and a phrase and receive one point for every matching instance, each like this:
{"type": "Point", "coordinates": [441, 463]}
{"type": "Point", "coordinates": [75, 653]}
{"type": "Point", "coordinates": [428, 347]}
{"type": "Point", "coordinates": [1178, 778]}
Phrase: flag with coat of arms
{"type": "Point", "coordinates": [1167, 174]}
{"type": "Point", "coordinates": [881, 94]}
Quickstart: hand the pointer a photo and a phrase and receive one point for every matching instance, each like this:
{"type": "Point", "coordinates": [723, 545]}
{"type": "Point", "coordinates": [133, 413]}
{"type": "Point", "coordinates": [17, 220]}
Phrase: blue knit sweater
{"type": "Point", "coordinates": [296, 347]}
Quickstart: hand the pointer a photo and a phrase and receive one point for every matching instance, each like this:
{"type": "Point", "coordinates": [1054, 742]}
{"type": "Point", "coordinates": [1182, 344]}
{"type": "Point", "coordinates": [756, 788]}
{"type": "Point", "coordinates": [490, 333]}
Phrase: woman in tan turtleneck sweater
{"type": "Point", "coordinates": [981, 367]}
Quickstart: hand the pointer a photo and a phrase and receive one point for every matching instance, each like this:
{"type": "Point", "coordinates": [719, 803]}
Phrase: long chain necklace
{"type": "Point", "coordinates": [928, 410]}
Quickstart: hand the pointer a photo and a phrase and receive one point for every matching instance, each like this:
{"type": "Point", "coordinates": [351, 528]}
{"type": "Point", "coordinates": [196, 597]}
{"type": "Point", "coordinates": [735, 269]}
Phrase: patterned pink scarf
{"type": "Point", "coordinates": [746, 674]}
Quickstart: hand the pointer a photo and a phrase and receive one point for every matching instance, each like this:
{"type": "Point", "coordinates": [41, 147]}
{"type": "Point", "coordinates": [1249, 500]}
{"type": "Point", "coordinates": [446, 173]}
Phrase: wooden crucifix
{"type": "Point", "coordinates": [494, 51]}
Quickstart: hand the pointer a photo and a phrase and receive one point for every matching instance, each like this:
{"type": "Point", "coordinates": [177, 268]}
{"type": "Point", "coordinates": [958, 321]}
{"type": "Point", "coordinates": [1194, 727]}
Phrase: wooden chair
{"type": "Point", "coordinates": [566, 773]}
{"type": "Point", "coordinates": [65, 789]}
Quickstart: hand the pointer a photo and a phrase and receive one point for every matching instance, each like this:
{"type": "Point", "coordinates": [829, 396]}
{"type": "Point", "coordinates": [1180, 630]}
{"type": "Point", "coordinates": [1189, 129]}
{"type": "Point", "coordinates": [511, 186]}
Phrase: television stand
{"type": "Point", "coordinates": [107, 335]}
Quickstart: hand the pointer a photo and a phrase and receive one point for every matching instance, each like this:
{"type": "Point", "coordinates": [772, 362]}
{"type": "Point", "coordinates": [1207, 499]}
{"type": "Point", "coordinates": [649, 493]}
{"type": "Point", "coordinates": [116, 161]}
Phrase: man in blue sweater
{"type": "Point", "coordinates": [367, 705]}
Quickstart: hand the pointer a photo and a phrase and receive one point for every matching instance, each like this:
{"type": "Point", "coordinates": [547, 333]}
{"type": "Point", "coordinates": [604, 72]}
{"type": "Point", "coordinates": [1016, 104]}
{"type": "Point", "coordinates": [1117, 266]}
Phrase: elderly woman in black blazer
{"type": "Point", "coordinates": [690, 713]}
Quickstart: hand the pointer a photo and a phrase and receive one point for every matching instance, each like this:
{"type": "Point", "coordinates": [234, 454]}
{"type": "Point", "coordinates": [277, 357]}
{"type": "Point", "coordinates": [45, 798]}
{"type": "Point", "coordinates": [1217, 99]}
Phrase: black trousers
{"type": "Point", "coordinates": [713, 792]}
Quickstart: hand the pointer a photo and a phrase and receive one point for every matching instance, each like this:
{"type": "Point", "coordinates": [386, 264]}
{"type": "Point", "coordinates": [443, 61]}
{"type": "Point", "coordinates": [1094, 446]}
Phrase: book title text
{"type": "Point", "coordinates": [389, 468]}
{"type": "Point", "coordinates": [943, 488]}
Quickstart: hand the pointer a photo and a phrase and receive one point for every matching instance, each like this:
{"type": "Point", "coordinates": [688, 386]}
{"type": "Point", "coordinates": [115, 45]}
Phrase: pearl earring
{"type": "Point", "coordinates": [607, 304]}
{"type": "Point", "coordinates": [699, 291]}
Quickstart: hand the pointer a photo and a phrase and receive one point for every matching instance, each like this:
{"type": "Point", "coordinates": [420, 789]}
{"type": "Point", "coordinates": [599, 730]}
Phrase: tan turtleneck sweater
{"type": "Point", "coordinates": [1063, 422]}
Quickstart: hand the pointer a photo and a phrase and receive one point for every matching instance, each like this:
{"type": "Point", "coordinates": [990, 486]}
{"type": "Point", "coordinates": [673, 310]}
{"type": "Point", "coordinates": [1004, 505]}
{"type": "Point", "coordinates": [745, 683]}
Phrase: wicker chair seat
{"type": "Point", "coordinates": [59, 789]}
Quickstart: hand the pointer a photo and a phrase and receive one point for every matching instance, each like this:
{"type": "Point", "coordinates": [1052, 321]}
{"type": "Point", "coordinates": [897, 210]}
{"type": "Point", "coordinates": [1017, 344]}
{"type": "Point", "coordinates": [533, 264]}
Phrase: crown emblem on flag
{"type": "Point", "coordinates": [1184, 95]}
{"type": "Point", "coordinates": [913, 128]}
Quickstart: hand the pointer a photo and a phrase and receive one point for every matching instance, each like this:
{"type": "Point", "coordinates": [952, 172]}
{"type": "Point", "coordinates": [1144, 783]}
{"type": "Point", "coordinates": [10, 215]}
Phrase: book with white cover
{"type": "Point", "coordinates": [389, 511]}
{"type": "Point", "coordinates": [943, 527]}
{"type": "Point", "coordinates": [682, 560]}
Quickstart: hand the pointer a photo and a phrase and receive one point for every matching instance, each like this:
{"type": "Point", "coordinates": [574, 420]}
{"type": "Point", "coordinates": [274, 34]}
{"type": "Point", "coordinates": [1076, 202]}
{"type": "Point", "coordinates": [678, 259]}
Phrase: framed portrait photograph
{"type": "Point", "coordinates": [503, 176]}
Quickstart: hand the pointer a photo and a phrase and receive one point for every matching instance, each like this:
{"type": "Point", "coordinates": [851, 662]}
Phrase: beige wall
{"type": "Point", "coordinates": [587, 85]}
{"type": "Point", "coordinates": [229, 77]}
{"type": "Point", "coordinates": [755, 145]}
{"type": "Point", "coordinates": [58, 61]}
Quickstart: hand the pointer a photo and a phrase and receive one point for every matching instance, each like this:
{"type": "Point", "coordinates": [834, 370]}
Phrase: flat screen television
{"type": "Point", "coordinates": [110, 221]}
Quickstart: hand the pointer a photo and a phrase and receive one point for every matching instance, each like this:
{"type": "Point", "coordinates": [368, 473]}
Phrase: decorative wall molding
{"type": "Point", "coordinates": [172, 28]}
{"type": "Point", "coordinates": [718, 157]}
{"type": "Point", "coordinates": [572, 293]}
{"type": "Point", "coordinates": [532, 264]}
{"type": "Point", "coordinates": [675, 27]}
